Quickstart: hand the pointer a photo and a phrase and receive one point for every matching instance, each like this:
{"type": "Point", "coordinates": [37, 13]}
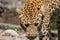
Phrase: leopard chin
{"type": "Point", "coordinates": [31, 31]}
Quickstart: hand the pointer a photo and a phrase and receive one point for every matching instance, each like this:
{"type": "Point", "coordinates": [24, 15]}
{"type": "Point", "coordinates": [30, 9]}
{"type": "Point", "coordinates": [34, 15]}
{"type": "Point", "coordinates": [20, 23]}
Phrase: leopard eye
{"type": "Point", "coordinates": [38, 8]}
{"type": "Point", "coordinates": [26, 25]}
{"type": "Point", "coordinates": [36, 24]}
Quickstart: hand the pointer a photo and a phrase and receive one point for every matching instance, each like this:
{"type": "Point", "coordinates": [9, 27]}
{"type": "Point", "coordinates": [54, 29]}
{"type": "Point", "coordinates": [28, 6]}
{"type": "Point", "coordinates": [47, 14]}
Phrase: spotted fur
{"type": "Point", "coordinates": [35, 17]}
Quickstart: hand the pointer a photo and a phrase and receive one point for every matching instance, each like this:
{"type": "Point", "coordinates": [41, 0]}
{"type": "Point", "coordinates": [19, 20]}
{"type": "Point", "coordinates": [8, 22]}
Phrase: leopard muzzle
{"type": "Point", "coordinates": [31, 31]}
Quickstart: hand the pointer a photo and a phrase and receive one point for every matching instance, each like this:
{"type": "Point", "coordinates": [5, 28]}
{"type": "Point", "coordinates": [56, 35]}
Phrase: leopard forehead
{"type": "Point", "coordinates": [31, 12]}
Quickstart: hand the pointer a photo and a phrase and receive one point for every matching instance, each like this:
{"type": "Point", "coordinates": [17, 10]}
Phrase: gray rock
{"type": "Point", "coordinates": [10, 32]}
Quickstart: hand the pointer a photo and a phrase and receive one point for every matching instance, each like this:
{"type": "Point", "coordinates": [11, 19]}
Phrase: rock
{"type": "Point", "coordinates": [1, 30]}
{"type": "Point", "coordinates": [22, 36]}
{"type": "Point", "coordinates": [7, 35]}
{"type": "Point", "coordinates": [10, 32]}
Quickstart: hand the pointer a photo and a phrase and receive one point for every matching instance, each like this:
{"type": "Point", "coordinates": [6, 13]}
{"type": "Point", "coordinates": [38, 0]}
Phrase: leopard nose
{"type": "Point", "coordinates": [26, 25]}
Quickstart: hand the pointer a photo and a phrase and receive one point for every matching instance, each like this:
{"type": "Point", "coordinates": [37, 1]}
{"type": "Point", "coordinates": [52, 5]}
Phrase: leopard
{"type": "Point", "coordinates": [35, 17]}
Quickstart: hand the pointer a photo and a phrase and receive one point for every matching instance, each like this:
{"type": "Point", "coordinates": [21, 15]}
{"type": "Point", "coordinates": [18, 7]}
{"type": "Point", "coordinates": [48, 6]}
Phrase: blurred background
{"type": "Point", "coordinates": [8, 13]}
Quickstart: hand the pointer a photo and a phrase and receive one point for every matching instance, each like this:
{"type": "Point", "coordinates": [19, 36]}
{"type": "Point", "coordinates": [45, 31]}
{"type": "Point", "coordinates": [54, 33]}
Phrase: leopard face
{"type": "Point", "coordinates": [30, 23]}
{"type": "Point", "coordinates": [30, 18]}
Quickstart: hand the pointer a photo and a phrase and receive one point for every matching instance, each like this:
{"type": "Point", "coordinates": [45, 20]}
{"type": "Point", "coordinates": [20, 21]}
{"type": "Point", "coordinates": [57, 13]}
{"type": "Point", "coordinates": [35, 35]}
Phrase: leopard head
{"type": "Point", "coordinates": [28, 22]}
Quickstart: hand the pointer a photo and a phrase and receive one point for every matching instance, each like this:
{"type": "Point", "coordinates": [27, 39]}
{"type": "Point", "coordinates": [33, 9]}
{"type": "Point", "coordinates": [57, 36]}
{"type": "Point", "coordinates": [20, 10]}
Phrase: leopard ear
{"type": "Point", "coordinates": [19, 10]}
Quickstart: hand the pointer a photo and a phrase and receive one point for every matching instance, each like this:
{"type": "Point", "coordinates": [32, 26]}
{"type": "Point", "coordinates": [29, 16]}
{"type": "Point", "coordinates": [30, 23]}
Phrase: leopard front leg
{"type": "Point", "coordinates": [45, 28]}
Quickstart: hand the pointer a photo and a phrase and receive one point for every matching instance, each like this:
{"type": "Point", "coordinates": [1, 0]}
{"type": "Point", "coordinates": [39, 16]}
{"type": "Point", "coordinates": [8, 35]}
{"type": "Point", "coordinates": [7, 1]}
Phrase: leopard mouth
{"type": "Point", "coordinates": [31, 31]}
